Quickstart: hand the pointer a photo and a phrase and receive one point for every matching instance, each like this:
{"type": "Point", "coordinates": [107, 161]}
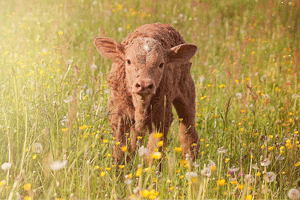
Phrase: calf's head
{"type": "Point", "coordinates": [144, 59]}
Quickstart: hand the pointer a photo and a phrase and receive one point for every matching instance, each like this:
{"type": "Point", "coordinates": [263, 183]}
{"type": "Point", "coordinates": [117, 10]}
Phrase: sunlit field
{"type": "Point", "coordinates": [55, 139]}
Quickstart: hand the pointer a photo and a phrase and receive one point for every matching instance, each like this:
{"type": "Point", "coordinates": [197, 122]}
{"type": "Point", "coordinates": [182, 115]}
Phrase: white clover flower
{"type": "Point", "coordinates": [294, 194]}
{"type": "Point", "coordinates": [270, 177]}
{"type": "Point", "coordinates": [6, 166]}
{"type": "Point", "coordinates": [57, 165]}
{"type": "Point", "coordinates": [142, 151]}
{"type": "Point", "coordinates": [239, 95]}
{"type": "Point", "coordinates": [38, 148]}
{"type": "Point", "coordinates": [190, 175]}
{"type": "Point", "coordinates": [265, 162]}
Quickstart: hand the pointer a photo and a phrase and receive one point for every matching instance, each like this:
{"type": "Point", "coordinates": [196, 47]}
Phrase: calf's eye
{"type": "Point", "coordinates": [128, 62]}
{"type": "Point", "coordinates": [161, 65]}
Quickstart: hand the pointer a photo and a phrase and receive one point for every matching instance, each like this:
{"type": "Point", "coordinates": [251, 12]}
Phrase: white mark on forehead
{"type": "Point", "coordinates": [146, 47]}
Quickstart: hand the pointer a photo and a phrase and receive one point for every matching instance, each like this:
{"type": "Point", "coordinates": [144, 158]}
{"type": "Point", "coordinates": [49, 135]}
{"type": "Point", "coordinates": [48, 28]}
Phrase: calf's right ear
{"type": "Point", "coordinates": [109, 48]}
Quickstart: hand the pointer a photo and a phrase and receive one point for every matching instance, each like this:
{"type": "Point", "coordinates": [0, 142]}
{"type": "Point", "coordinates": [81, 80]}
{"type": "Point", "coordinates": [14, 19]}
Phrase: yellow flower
{"type": "Point", "coordinates": [297, 164]}
{"type": "Point", "coordinates": [171, 188]}
{"type": "Point", "coordinates": [241, 186]}
{"type": "Point", "coordinates": [145, 193]}
{"type": "Point", "coordinates": [258, 174]}
{"type": "Point", "coordinates": [107, 168]}
{"type": "Point", "coordinates": [213, 168]}
{"type": "Point", "coordinates": [34, 157]}
{"type": "Point", "coordinates": [160, 143]}
{"type": "Point", "coordinates": [221, 182]}
{"type": "Point", "coordinates": [271, 148]}
{"type": "Point", "coordinates": [248, 197]}
{"type": "Point", "coordinates": [83, 127]}
{"type": "Point", "coordinates": [156, 155]}
{"type": "Point", "coordinates": [60, 33]}
{"type": "Point", "coordinates": [105, 141]}
{"type": "Point", "coordinates": [108, 155]}
{"type": "Point", "coordinates": [121, 166]}
{"type": "Point", "coordinates": [158, 135]}
{"type": "Point", "coordinates": [138, 172]}
{"type": "Point", "coordinates": [2, 183]}
{"type": "Point", "coordinates": [130, 176]}
{"type": "Point", "coordinates": [124, 148]}
{"type": "Point", "coordinates": [233, 182]}
{"type": "Point", "coordinates": [102, 174]}
{"type": "Point", "coordinates": [27, 198]}
{"type": "Point", "coordinates": [177, 149]}
{"type": "Point", "coordinates": [96, 167]}
{"type": "Point", "coordinates": [27, 186]}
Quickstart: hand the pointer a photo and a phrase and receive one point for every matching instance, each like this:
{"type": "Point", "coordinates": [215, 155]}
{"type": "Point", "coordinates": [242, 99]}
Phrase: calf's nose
{"type": "Point", "coordinates": [144, 86]}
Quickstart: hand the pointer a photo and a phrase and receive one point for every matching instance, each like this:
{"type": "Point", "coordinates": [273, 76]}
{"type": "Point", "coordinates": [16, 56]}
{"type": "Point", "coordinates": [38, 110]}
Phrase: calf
{"type": "Point", "coordinates": [149, 73]}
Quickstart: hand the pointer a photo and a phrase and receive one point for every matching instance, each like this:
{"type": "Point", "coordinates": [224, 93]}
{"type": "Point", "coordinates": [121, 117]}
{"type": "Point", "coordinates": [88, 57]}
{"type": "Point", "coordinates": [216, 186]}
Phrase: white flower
{"type": "Point", "coordinates": [57, 165]}
{"type": "Point", "coordinates": [222, 150]}
{"type": "Point", "coordinates": [190, 175]}
{"type": "Point", "coordinates": [254, 166]}
{"type": "Point", "coordinates": [265, 162]}
{"type": "Point", "coordinates": [248, 178]}
{"type": "Point", "coordinates": [38, 148]}
{"type": "Point", "coordinates": [279, 157]}
{"type": "Point", "coordinates": [211, 163]}
{"type": "Point", "coordinates": [294, 194]}
{"type": "Point", "coordinates": [234, 168]}
{"type": "Point", "coordinates": [6, 166]}
{"type": "Point", "coordinates": [143, 151]}
{"type": "Point", "coordinates": [120, 29]}
{"type": "Point", "coordinates": [270, 177]}
{"type": "Point", "coordinates": [93, 67]}
{"type": "Point", "coordinates": [239, 95]}
{"type": "Point", "coordinates": [206, 172]}
{"type": "Point", "coordinates": [201, 79]}
{"type": "Point", "coordinates": [127, 181]}
{"type": "Point", "coordinates": [69, 99]}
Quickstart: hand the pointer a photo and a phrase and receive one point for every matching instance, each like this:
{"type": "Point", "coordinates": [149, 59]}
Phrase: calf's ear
{"type": "Point", "coordinates": [182, 51]}
{"type": "Point", "coordinates": [109, 48]}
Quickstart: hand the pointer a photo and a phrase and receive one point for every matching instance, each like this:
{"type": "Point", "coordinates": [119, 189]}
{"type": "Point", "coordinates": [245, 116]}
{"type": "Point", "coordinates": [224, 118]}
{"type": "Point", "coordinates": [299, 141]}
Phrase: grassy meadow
{"type": "Point", "coordinates": [55, 139]}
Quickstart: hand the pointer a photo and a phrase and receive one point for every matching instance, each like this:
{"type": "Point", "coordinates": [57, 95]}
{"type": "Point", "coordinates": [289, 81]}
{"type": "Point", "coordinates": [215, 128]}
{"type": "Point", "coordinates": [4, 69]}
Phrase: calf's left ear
{"type": "Point", "coordinates": [182, 51]}
{"type": "Point", "coordinates": [109, 48]}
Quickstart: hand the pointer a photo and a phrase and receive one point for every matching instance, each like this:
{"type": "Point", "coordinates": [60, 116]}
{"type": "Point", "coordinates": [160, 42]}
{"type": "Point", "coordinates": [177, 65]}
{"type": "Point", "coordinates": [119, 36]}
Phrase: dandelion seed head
{"type": "Point", "coordinates": [239, 95]}
{"type": "Point", "coordinates": [234, 169]}
{"type": "Point", "coordinates": [270, 177]}
{"type": "Point", "coordinates": [142, 151]}
{"type": "Point", "coordinates": [57, 165]}
{"type": "Point", "coordinates": [248, 178]}
{"type": "Point", "coordinates": [38, 148]}
{"type": "Point", "coordinates": [222, 150]}
{"type": "Point", "coordinates": [265, 162]}
{"type": "Point", "coordinates": [294, 194]}
{"type": "Point", "coordinates": [6, 166]}
{"type": "Point", "coordinates": [190, 175]}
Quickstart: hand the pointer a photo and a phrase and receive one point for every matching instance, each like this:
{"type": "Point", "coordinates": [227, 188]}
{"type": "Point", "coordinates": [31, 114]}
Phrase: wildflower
{"type": "Point", "coordinates": [27, 186]}
{"type": "Point", "coordinates": [221, 182]}
{"type": "Point", "coordinates": [177, 149]}
{"type": "Point", "coordinates": [206, 171]}
{"type": "Point", "coordinates": [248, 197]}
{"type": "Point", "coordinates": [234, 169]}
{"type": "Point", "coordinates": [239, 95]}
{"type": "Point", "coordinates": [2, 183]}
{"type": "Point", "coordinates": [60, 33]}
{"type": "Point", "coordinates": [248, 178]}
{"type": "Point", "coordinates": [57, 165]}
{"type": "Point", "coordinates": [102, 174]}
{"type": "Point", "coordinates": [38, 148]}
{"type": "Point", "coordinates": [160, 143]}
{"type": "Point", "coordinates": [27, 198]}
{"type": "Point", "coordinates": [293, 194]}
{"type": "Point", "coordinates": [128, 180]}
{"type": "Point", "coordinates": [270, 177]}
{"type": "Point", "coordinates": [83, 127]}
{"type": "Point", "coordinates": [241, 186]}
{"type": "Point", "coordinates": [6, 166]}
{"type": "Point", "coordinates": [124, 148]}
{"type": "Point", "coordinates": [93, 67]}
{"type": "Point", "coordinates": [265, 162]}
{"type": "Point", "coordinates": [222, 150]}
{"type": "Point", "coordinates": [156, 155]}
{"type": "Point", "coordinates": [121, 166]}
{"type": "Point", "coordinates": [258, 174]}
{"type": "Point", "coordinates": [158, 135]}
{"type": "Point", "coordinates": [142, 151]}
{"type": "Point", "coordinates": [191, 176]}
{"type": "Point", "coordinates": [96, 167]}
{"type": "Point", "coordinates": [279, 157]}
{"type": "Point", "coordinates": [145, 193]}
{"type": "Point", "coordinates": [138, 172]}
{"type": "Point", "coordinates": [297, 164]}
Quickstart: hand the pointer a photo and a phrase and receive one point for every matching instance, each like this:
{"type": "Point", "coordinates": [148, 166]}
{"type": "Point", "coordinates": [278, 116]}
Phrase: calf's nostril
{"type": "Point", "coordinates": [137, 85]}
{"type": "Point", "coordinates": [150, 86]}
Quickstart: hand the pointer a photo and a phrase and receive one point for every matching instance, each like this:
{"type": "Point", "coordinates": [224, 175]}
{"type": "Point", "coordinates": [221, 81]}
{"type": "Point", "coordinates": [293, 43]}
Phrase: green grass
{"type": "Point", "coordinates": [248, 102]}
